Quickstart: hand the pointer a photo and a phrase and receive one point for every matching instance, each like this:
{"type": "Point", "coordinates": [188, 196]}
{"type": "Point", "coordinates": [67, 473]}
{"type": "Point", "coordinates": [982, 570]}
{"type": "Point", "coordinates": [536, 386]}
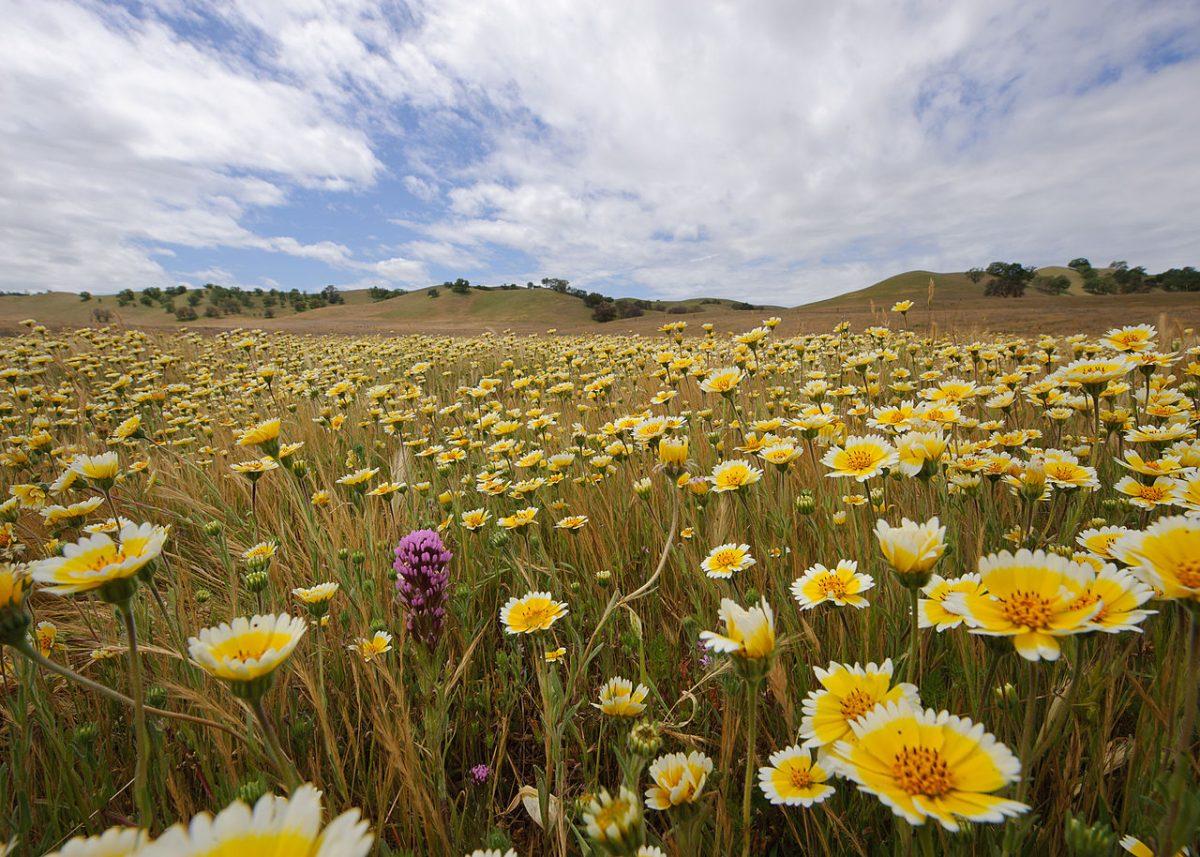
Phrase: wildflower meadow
{"type": "Point", "coordinates": [697, 593]}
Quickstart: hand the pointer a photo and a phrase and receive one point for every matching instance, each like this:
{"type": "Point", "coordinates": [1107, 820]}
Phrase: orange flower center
{"type": "Point", "coordinates": [800, 778]}
{"type": "Point", "coordinates": [1028, 609]}
{"type": "Point", "coordinates": [922, 771]}
{"type": "Point", "coordinates": [833, 587]}
{"type": "Point", "coordinates": [859, 459]}
{"type": "Point", "coordinates": [857, 703]}
{"type": "Point", "coordinates": [1188, 573]}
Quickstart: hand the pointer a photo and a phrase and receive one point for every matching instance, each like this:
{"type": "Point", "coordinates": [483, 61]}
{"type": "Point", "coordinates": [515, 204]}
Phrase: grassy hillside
{"type": "Point", "coordinates": [953, 302]}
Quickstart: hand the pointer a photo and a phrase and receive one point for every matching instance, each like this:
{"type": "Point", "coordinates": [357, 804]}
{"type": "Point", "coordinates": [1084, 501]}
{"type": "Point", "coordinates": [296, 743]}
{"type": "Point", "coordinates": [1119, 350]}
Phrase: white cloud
{"type": "Point", "coordinates": [777, 150]}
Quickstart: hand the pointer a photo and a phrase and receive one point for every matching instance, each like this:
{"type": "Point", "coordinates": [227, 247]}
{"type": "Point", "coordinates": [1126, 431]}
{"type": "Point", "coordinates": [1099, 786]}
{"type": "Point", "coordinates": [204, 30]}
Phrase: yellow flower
{"type": "Point", "coordinates": [911, 549]}
{"type": "Point", "coordinates": [749, 633]}
{"type": "Point", "coordinates": [58, 515]}
{"type": "Point", "coordinates": [46, 634]}
{"type": "Point", "coordinates": [1119, 595]}
{"type": "Point", "coordinates": [1138, 848]}
{"type": "Point", "coordinates": [612, 821]}
{"type": "Point", "coordinates": [792, 779]}
{"type": "Point", "coordinates": [320, 498]}
{"type": "Point", "coordinates": [619, 698]}
{"type": "Point", "coordinates": [114, 842]}
{"type": "Point", "coordinates": [371, 647]}
{"type": "Point", "coordinates": [673, 451]}
{"type": "Point", "coordinates": [555, 655]}
{"type": "Point", "coordinates": [1161, 492]}
{"type": "Point", "coordinates": [846, 694]}
{"type": "Point", "coordinates": [843, 585]}
{"type": "Point", "coordinates": [255, 467]}
{"type": "Point", "coordinates": [723, 381]}
{"type": "Point", "coordinates": [535, 611]}
{"type": "Point", "coordinates": [734, 475]}
{"type": "Point", "coordinates": [276, 825]}
{"type": "Point", "coordinates": [1165, 555]}
{"type": "Point", "coordinates": [860, 457]}
{"type": "Point", "coordinates": [520, 518]}
{"type": "Point", "coordinates": [723, 560]}
{"type": "Point", "coordinates": [1099, 541]}
{"type": "Point", "coordinates": [129, 428]}
{"type": "Point", "coordinates": [99, 563]}
{"type": "Point", "coordinates": [247, 650]}
{"type": "Point", "coordinates": [475, 518]}
{"type": "Point", "coordinates": [99, 469]}
{"type": "Point", "coordinates": [316, 598]}
{"type": "Point", "coordinates": [264, 434]}
{"type": "Point", "coordinates": [925, 764]}
{"type": "Point", "coordinates": [572, 523]}
{"type": "Point", "coordinates": [1131, 338]}
{"type": "Point", "coordinates": [14, 584]}
{"type": "Point", "coordinates": [359, 478]}
{"type": "Point", "coordinates": [932, 611]}
{"type": "Point", "coordinates": [678, 779]}
{"type": "Point", "coordinates": [902, 306]}
{"type": "Point", "coordinates": [1033, 597]}
{"type": "Point", "coordinates": [917, 453]}
{"type": "Point", "coordinates": [1094, 375]}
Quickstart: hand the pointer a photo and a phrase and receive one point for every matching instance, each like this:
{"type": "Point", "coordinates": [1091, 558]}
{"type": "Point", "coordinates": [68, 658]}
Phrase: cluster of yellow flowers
{"type": "Point", "coordinates": [625, 506]}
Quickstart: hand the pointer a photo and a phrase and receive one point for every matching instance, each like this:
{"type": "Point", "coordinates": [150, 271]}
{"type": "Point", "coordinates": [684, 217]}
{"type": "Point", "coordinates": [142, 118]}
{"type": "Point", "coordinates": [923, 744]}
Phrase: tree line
{"type": "Point", "coordinates": [1011, 279]}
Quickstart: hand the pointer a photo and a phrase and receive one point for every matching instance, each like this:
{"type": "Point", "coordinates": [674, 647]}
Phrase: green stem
{"type": "Point", "coordinates": [914, 667]}
{"type": "Point", "coordinates": [66, 672]}
{"type": "Point", "coordinates": [141, 781]}
{"type": "Point", "coordinates": [751, 737]}
{"type": "Point", "coordinates": [283, 765]}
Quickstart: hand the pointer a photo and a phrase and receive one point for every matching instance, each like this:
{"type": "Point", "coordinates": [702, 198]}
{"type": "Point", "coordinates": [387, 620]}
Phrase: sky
{"type": "Point", "coordinates": [774, 150]}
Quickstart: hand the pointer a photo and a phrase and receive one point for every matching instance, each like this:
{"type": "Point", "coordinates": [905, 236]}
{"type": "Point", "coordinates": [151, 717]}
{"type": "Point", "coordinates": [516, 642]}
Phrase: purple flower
{"type": "Point", "coordinates": [480, 773]}
{"type": "Point", "coordinates": [422, 583]}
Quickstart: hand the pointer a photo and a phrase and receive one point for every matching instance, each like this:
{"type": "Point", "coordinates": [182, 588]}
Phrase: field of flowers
{"type": "Point", "coordinates": [691, 594]}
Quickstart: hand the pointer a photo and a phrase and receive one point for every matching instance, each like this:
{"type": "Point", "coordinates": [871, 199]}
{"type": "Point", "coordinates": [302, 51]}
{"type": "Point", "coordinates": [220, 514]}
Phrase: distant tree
{"type": "Point", "coordinates": [975, 275]}
{"type": "Point", "coordinates": [555, 284]}
{"type": "Point", "coordinates": [194, 298]}
{"type": "Point", "coordinates": [85, 296]}
{"type": "Point", "coordinates": [605, 311]}
{"type": "Point", "coordinates": [459, 286]}
{"type": "Point", "coordinates": [125, 297]}
{"type": "Point", "coordinates": [1093, 284]}
{"type": "Point", "coordinates": [1126, 280]}
{"type": "Point", "coordinates": [101, 316]}
{"type": "Point", "coordinates": [593, 299]}
{"type": "Point", "coordinates": [433, 293]}
{"type": "Point", "coordinates": [187, 312]}
{"type": "Point", "coordinates": [332, 295]}
{"type": "Point", "coordinates": [1056, 285]}
{"type": "Point", "coordinates": [1185, 279]}
{"type": "Point", "coordinates": [1008, 279]}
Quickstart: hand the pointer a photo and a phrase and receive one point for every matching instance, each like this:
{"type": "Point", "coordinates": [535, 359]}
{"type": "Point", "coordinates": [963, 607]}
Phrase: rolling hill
{"type": "Point", "coordinates": [941, 302]}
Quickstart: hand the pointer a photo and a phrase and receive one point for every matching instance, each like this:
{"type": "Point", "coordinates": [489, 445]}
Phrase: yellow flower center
{"type": "Point", "coordinates": [857, 703]}
{"type": "Point", "coordinates": [859, 459]}
{"type": "Point", "coordinates": [922, 771]}
{"type": "Point", "coordinates": [612, 814]}
{"type": "Point", "coordinates": [1028, 609]}
{"type": "Point", "coordinates": [1153, 492]}
{"type": "Point", "coordinates": [833, 587]}
{"type": "Point", "coordinates": [1188, 572]}
{"type": "Point", "coordinates": [800, 778]}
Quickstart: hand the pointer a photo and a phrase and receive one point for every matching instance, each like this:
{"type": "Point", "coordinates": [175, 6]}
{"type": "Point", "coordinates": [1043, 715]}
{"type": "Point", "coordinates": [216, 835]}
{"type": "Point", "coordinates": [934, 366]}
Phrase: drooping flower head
{"type": "Point", "coordinates": [912, 549]}
{"type": "Point", "coordinates": [14, 618]}
{"type": "Point", "coordinates": [678, 778]}
{"type": "Point", "coordinates": [619, 698]}
{"type": "Point", "coordinates": [422, 583]}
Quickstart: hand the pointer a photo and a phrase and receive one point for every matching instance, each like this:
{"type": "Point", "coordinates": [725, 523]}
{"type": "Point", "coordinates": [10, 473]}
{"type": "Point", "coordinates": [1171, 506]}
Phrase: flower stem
{"type": "Point", "coordinates": [914, 667]}
{"type": "Point", "coordinates": [283, 765]}
{"type": "Point", "coordinates": [751, 737]}
{"type": "Point", "coordinates": [66, 672]}
{"type": "Point", "coordinates": [141, 784]}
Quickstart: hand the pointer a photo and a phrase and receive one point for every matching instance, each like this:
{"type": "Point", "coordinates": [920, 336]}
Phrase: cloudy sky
{"type": "Point", "coordinates": [773, 150]}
